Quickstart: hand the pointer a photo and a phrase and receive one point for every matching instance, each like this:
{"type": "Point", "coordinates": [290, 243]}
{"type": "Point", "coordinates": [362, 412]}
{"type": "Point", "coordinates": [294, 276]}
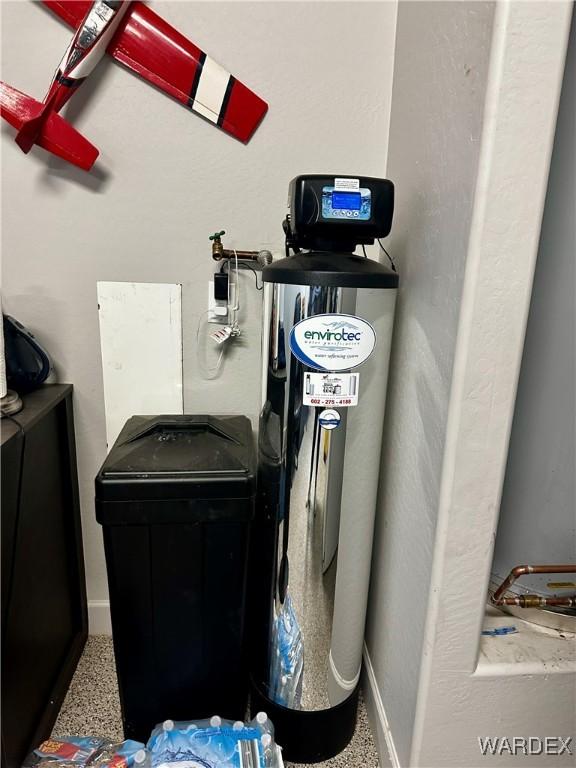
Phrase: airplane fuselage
{"type": "Point", "coordinates": [86, 48]}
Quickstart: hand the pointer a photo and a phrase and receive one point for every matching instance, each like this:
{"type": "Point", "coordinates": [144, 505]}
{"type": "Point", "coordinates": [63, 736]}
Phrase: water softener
{"type": "Point", "coordinates": [328, 317]}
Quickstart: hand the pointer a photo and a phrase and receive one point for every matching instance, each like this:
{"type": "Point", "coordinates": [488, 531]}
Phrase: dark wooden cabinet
{"type": "Point", "coordinates": [44, 614]}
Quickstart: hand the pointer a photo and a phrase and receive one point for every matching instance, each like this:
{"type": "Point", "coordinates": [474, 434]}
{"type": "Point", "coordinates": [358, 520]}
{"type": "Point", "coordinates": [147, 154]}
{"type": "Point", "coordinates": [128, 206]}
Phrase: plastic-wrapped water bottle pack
{"type": "Point", "coordinates": [287, 657]}
{"type": "Point", "coordinates": [84, 751]}
{"type": "Point", "coordinates": [215, 743]}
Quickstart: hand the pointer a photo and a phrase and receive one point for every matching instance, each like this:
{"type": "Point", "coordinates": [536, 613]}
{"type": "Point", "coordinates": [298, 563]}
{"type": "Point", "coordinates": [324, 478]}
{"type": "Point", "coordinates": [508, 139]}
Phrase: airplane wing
{"type": "Point", "coordinates": [149, 46]}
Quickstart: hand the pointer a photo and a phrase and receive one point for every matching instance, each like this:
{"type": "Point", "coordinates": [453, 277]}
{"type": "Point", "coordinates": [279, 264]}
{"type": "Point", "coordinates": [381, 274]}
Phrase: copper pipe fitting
{"type": "Point", "coordinates": [219, 253]}
{"type": "Point", "coordinates": [538, 601]}
{"type": "Point", "coordinates": [533, 601]}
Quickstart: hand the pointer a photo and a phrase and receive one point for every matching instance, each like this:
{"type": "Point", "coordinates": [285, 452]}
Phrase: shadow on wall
{"type": "Point", "coordinates": [419, 379]}
{"type": "Point", "coordinates": [412, 452]}
{"type": "Point", "coordinates": [56, 172]}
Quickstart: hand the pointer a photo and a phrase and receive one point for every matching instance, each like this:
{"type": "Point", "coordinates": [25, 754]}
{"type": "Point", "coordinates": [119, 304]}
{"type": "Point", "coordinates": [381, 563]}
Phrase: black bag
{"type": "Point", "coordinates": [27, 363]}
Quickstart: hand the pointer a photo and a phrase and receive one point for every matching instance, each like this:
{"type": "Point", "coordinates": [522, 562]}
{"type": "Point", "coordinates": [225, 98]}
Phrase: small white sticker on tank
{"type": "Point", "coordinates": [329, 419]}
{"type": "Point", "coordinates": [347, 185]}
{"type": "Point", "coordinates": [331, 389]}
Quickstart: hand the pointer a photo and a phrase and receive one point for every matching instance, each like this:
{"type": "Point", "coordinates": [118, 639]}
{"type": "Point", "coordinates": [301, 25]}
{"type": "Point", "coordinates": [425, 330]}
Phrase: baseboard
{"type": "Point", "coordinates": [99, 622]}
{"type": "Point", "coordinates": [388, 757]}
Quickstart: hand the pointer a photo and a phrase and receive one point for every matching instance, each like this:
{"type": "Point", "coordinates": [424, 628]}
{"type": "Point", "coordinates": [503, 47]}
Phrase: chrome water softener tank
{"type": "Point", "coordinates": [328, 317]}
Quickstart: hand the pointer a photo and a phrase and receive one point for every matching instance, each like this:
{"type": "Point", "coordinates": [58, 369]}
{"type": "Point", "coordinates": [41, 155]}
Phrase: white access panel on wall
{"type": "Point", "coordinates": [141, 343]}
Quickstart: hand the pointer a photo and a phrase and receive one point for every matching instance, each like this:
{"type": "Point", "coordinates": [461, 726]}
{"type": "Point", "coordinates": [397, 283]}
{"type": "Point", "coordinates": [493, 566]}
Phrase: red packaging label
{"type": "Point", "coordinates": [118, 762]}
{"type": "Point", "coordinates": [59, 748]}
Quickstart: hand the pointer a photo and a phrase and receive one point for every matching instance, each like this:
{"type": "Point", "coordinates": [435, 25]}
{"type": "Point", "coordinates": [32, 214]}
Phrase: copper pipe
{"type": "Point", "coordinates": [533, 601]}
{"type": "Point", "coordinates": [538, 601]}
{"type": "Point", "coordinates": [227, 253]}
{"type": "Point", "coordinates": [219, 253]}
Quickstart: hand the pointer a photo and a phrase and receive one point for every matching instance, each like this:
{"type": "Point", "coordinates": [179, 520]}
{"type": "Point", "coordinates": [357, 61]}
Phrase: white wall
{"type": "Point", "coordinates": [538, 512]}
{"type": "Point", "coordinates": [440, 70]}
{"type": "Point", "coordinates": [167, 179]}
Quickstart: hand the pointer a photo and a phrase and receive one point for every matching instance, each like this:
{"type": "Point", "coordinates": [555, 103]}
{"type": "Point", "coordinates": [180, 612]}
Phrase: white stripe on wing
{"type": "Point", "coordinates": [211, 90]}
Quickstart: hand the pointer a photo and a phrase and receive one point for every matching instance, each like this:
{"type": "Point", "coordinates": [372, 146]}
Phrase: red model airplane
{"type": "Point", "coordinates": [142, 41]}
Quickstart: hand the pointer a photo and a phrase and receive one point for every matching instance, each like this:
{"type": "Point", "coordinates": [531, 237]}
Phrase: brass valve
{"type": "Point", "coordinates": [217, 247]}
{"type": "Point", "coordinates": [531, 601]}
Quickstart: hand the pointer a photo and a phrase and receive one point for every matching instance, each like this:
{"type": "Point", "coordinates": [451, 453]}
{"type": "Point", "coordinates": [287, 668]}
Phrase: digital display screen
{"type": "Point", "coordinates": [346, 205]}
{"type": "Point", "coordinates": [350, 201]}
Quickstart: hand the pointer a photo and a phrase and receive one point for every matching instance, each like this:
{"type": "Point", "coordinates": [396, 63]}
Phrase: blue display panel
{"type": "Point", "coordinates": [343, 204]}
{"type": "Point", "coordinates": [349, 200]}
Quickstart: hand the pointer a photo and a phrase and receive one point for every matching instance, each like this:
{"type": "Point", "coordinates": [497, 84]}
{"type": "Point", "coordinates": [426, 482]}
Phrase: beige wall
{"type": "Point", "coordinates": [440, 71]}
{"type": "Point", "coordinates": [537, 517]}
{"type": "Point", "coordinates": [475, 99]}
{"type": "Point", "coordinates": [167, 179]}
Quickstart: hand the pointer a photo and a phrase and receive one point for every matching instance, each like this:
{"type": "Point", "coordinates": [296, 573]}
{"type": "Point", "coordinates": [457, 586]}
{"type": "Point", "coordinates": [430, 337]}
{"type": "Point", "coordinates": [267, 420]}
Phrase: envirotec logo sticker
{"type": "Point", "coordinates": [332, 342]}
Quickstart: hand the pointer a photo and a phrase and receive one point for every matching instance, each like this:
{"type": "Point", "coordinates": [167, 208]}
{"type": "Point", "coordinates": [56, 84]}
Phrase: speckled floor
{"type": "Point", "coordinates": [92, 707]}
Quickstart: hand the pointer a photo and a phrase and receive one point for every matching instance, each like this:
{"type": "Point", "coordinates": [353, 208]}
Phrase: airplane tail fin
{"type": "Point", "coordinates": [29, 132]}
{"type": "Point", "coordinates": [37, 123]}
